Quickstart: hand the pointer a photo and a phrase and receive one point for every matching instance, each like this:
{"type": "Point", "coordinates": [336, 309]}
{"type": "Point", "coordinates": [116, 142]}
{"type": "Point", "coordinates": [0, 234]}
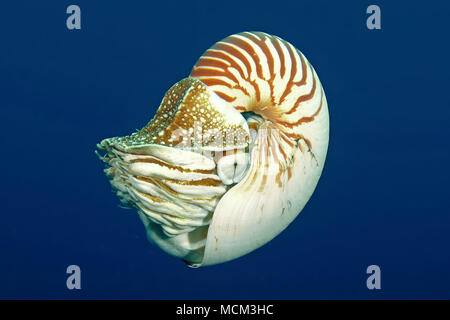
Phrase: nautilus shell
{"type": "Point", "coordinates": [232, 155]}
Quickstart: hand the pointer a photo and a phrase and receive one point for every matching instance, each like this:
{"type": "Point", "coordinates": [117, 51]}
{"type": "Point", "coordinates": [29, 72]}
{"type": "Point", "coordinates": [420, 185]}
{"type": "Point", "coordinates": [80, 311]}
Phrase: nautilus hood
{"type": "Point", "coordinates": [232, 155]}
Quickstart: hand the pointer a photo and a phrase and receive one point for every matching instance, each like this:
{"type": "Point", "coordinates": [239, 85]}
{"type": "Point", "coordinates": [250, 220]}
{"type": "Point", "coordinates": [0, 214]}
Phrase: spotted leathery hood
{"type": "Point", "coordinates": [192, 116]}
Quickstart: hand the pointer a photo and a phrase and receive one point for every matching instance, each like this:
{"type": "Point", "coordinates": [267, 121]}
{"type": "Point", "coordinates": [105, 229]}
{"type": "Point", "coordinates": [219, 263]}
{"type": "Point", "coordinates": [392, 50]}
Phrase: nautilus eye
{"type": "Point", "coordinates": [232, 155]}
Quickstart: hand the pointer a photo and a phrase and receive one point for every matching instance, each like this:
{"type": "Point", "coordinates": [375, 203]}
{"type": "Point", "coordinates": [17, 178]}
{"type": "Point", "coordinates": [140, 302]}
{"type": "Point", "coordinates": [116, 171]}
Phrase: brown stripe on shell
{"type": "Point", "coordinates": [211, 62]}
{"type": "Point", "coordinates": [270, 61]}
{"type": "Point", "coordinates": [250, 51]}
{"type": "Point", "coordinates": [216, 82]}
{"type": "Point", "coordinates": [202, 72]}
{"type": "Point", "coordinates": [276, 43]}
{"type": "Point", "coordinates": [290, 83]}
{"type": "Point", "coordinates": [304, 119]}
{"type": "Point", "coordinates": [224, 96]}
{"type": "Point", "coordinates": [305, 97]}
{"type": "Point", "coordinates": [228, 48]}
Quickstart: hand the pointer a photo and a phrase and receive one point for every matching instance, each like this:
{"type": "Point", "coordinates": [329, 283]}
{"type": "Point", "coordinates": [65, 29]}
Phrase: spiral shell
{"type": "Point", "coordinates": [232, 155]}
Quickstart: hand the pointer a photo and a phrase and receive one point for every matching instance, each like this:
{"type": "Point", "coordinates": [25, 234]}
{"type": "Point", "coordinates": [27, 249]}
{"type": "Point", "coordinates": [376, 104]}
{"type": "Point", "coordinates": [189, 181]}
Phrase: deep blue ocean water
{"type": "Point", "coordinates": [383, 197]}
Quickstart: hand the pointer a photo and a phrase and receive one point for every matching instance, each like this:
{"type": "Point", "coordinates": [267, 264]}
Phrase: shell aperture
{"type": "Point", "coordinates": [232, 155]}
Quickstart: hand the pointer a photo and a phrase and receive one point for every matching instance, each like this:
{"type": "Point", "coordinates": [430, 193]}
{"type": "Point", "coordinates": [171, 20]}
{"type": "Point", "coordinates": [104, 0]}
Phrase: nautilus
{"type": "Point", "coordinates": [232, 155]}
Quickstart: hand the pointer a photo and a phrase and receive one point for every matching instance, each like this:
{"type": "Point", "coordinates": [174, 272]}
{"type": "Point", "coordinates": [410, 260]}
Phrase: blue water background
{"type": "Point", "coordinates": [383, 197]}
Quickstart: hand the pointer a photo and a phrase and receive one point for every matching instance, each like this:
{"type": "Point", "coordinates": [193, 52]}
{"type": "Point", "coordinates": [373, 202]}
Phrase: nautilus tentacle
{"type": "Point", "coordinates": [233, 154]}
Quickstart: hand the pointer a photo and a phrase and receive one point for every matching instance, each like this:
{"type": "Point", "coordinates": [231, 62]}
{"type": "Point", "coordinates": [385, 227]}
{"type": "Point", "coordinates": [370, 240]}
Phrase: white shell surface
{"type": "Point", "coordinates": [257, 209]}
